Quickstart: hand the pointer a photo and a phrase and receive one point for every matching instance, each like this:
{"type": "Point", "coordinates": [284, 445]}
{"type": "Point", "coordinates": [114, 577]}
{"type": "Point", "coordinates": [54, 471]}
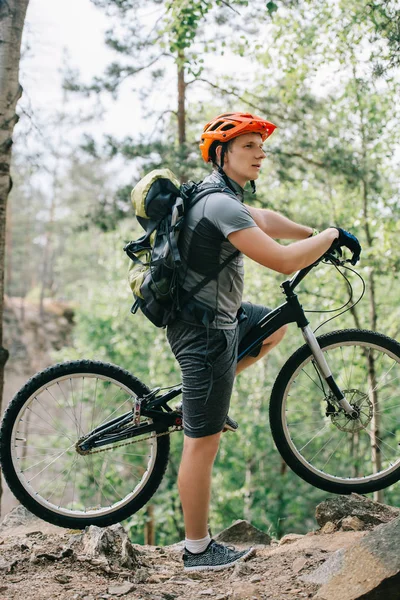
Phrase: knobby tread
{"type": "Point", "coordinates": [11, 412]}
{"type": "Point", "coordinates": [278, 390]}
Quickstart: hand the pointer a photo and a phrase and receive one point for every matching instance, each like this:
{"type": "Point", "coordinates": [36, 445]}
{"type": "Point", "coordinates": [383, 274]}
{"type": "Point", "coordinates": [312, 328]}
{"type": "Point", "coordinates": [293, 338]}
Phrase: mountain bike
{"type": "Point", "coordinates": [86, 442]}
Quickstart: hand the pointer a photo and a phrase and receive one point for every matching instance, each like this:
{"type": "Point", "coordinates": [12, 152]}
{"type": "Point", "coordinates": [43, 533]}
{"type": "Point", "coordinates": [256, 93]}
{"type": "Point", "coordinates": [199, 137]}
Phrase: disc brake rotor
{"type": "Point", "coordinates": [362, 404]}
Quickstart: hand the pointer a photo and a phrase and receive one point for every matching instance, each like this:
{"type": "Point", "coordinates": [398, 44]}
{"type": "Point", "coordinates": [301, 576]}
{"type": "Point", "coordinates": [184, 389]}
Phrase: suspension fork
{"type": "Point", "coordinates": [324, 369]}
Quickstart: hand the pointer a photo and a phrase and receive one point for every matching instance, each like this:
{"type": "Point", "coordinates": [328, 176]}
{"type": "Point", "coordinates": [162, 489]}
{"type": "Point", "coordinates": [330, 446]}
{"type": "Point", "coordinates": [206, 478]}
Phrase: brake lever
{"type": "Point", "coordinates": [330, 256]}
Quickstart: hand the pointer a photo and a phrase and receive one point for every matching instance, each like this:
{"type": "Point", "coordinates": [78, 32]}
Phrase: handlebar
{"type": "Point", "coordinates": [329, 256]}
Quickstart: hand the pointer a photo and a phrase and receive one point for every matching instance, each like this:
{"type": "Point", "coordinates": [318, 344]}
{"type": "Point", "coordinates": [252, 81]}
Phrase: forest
{"type": "Point", "coordinates": [327, 74]}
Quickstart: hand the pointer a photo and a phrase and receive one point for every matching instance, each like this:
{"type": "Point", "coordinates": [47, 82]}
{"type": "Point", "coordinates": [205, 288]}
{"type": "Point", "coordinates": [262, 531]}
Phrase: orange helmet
{"type": "Point", "coordinates": [229, 125]}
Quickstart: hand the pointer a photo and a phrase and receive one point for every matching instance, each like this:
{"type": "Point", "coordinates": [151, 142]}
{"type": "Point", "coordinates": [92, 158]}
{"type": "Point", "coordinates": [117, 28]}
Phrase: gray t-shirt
{"type": "Point", "coordinates": [204, 246]}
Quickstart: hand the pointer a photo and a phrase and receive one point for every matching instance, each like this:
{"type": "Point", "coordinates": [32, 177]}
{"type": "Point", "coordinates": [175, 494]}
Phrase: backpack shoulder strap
{"type": "Point", "coordinates": [205, 189]}
{"type": "Point", "coordinates": [186, 297]}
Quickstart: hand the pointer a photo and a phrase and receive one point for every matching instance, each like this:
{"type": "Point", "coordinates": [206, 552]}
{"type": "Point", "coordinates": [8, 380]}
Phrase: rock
{"type": "Point", "coordinates": [156, 578]}
{"type": "Point", "coordinates": [241, 569]}
{"type": "Point", "coordinates": [371, 513]}
{"type": "Point", "coordinates": [298, 564]}
{"type": "Point", "coordinates": [289, 538]}
{"type": "Point", "coordinates": [6, 566]}
{"type": "Point", "coordinates": [242, 532]}
{"type": "Point", "coordinates": [244, 591]}
{"type": "Point", "coordinates": [367, 570]}
{"type": "Point", "coordinates": [110, 544]}
{"type": "Point", "coordinates": [353, 524]}
{"type": "Point", "coordinates": [120, 589]}
{"type": "Point", "coordinates": [17, 516]}
{"type": "Point", "coordinates": [255, 579]}
{"type": "Point", "coordinates": [60, 578]}
{"type": "Point", "coordinates": [329, 527]}
{"type": "Point", "coordinates": [141, 575]}
{"type": "Point", "coordinates": [207, 592]}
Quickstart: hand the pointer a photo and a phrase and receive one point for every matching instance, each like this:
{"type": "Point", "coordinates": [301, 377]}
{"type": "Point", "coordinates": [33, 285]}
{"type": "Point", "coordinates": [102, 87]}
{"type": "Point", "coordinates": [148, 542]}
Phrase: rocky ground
{"type": "Point", "coordinates": [40, 561]}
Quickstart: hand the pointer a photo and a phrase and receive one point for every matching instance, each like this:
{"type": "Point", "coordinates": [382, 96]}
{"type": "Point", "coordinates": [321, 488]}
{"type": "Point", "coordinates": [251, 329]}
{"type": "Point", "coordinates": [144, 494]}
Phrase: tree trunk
{"type": "Point", "coordinates": [12, 17]}
{"type": "Point", "coordinates": [182, 114]}
{"type": "Point", "coordinates": [281, 502]}
{"type": "Point", "coordinates": [149, 528]}
{"type": "Point", "coordinates": [373, 312]}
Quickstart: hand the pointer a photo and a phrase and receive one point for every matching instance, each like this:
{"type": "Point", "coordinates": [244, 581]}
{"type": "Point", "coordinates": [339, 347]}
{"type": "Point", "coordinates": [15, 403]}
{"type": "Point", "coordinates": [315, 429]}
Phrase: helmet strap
{"type": "Point", "coordinates": [253, 186]}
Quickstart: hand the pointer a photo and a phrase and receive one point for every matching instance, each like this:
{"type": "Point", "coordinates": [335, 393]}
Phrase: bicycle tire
{"type": "Point", "coordinates": [53, 408]}
{"type": "Point", "coordinates": [341, 455]}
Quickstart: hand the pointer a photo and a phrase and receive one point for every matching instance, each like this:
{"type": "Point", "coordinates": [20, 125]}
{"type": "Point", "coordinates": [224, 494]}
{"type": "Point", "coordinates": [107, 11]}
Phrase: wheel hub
{"type": "Point", "coordinates": [361, 405]}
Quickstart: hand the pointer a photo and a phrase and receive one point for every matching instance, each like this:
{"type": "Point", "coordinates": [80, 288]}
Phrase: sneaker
{"type": "Point", "coordinates": [215, 557]}
{"type": "Point", "coordinates": [230, 424]}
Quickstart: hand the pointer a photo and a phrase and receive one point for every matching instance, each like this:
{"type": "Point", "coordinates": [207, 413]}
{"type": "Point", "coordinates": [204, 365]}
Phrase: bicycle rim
{"type": "Point", "coordinates": [332, 447]}
{"type": "Point", "coordinates": [44, 455]}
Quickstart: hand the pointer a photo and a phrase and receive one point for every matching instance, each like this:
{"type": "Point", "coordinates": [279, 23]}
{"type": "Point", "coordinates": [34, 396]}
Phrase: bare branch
{"type": "Point", "coordinates": [310, 161]}
{"type": "Point", "coordinates": [236, 95]}
{"type": "Point", "coordinates": [231, 7]}
{"type": "Point", "coordinates": [173, 112]}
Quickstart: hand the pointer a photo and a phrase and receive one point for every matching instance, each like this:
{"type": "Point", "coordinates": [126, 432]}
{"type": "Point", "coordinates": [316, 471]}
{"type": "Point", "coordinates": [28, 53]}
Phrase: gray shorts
{"type": "Point", "coordinates": [208, 359]}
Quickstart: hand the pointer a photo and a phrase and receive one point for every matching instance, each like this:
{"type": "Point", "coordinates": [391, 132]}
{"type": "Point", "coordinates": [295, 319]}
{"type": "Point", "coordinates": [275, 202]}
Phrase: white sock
{"type": "Point", "coordinates": [197, 546]}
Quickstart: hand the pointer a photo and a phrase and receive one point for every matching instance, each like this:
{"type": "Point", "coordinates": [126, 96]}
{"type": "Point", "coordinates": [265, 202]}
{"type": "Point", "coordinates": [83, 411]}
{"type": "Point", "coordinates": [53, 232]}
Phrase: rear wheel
{"type": "Point", "coordinates": [320, 442]}
{"type": "Point", "coordinates": [42, 464]}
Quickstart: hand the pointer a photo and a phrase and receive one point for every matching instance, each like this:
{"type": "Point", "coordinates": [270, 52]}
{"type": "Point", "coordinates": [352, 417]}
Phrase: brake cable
{"type": "Point", "coordinates": [350, 288]}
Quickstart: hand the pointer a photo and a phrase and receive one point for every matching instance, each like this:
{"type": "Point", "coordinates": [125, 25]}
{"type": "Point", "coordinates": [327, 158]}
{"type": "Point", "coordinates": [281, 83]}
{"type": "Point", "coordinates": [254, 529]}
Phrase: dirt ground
{"type": "Point", "coordinates": [39, 561]}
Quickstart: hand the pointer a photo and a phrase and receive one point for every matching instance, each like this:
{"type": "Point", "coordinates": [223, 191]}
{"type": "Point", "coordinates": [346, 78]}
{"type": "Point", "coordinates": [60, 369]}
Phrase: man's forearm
{"type": "Point", "coordinates": [277, 226]}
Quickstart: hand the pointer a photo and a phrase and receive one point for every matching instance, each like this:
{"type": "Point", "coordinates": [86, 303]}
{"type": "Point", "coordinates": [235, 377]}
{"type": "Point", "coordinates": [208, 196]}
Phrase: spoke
{"type": "Point", "coordinates": [34, 447]}
{"type": "Point", "coordinates": [333, 451]}
{"type": "Point", "coordinates": [110, 416]}
{"type": "Point", "coordinates": [60, 406]}
{"type": "Point", "coordinates": [94, 404]}
{"type": "Point", "coordinates": [100, 487]}
{"type": "Point", "coordinates": [382, 412]}
{"type": "Point", "coordinates": [351, 367]}
{"type": "Point", "coordinates": [322, 448]}
{"type": "Point", "coordinates": [379, 440]}
{"type": "Point", "coordinates": [130, 465]}
{"type": "Point", "coordinates": [46, 457]}
{"type": "Point", "coordinates": [57, 478]}
{"type": "Point", "coordinates": [346, 379]}
{"type": "Point", "coordinates": [313, 380]}
{"type": "Point", "coordinates": [66, 481]}
{"type": "Point", "coordinates": [53, 461]}
{"type": "Point", "coordinates": [313, 438]}
{"type": "Point", "coordinates": [80, 406]}
{"type": "Point", "coordinates": [41, 417]}
{"type": "Point", "coordinates": [70, 407]}
{"type": "Point", "coordinates": [78, 430]}
{"type": "Point", "coordinates": [41, 431]}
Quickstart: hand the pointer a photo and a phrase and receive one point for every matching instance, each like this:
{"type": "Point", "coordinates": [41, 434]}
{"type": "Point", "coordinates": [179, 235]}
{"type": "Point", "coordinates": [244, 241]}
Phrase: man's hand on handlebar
{"type": "Point", "coordinates": [347, 240]}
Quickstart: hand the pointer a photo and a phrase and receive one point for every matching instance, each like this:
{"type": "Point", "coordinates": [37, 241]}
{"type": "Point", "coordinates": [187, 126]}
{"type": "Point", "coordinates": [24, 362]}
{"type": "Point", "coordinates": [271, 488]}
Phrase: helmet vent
{"type": "Point", "coordinates": [227, 126]}
{"type": "Point", "coordinates": [215, 126]}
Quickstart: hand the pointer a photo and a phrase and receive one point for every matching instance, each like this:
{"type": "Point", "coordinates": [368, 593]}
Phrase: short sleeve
{"type": "Point", "coordinates": [227, 214]}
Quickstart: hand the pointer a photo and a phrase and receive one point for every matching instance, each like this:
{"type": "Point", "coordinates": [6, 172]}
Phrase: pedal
{"type": "Point", "coordinates": [230, 424]}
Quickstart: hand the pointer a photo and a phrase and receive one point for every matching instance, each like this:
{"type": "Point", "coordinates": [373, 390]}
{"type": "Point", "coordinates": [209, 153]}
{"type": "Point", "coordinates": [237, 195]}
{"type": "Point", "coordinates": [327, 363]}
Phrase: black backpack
{"type": "Point", "coordinates": [161, 204]}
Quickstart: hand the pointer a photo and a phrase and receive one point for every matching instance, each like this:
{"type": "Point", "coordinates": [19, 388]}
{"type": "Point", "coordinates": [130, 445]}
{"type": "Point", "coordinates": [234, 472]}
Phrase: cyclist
{"type": "Point", "coordinates": [204, 339]}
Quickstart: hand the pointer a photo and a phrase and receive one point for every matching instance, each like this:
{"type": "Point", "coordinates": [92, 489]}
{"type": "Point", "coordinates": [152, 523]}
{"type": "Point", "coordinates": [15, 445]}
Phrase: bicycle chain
{"type": "Point", "coordinates": [88, 452]}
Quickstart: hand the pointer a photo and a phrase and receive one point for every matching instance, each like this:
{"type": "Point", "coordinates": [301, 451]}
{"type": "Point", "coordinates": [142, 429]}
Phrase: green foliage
{"type": "Point", "coordinates": [331, 161]}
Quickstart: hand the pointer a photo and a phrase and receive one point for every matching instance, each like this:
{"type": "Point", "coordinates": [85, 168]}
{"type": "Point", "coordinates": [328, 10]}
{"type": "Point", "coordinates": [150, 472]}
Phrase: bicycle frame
{"type": "Point", "coordinates": [291, 311]}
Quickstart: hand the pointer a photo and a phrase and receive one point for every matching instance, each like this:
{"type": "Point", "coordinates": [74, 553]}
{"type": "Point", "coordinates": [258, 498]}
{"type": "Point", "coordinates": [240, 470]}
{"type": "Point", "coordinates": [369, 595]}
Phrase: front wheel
{"type": "Point", "coordinates": [42, 463]}
{"type": "Point", "coordinates": [319, 441]}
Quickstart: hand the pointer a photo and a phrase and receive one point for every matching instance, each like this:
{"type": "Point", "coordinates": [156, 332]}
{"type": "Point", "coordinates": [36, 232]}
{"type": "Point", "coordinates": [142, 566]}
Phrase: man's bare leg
{"type": "Point", "coordinates": [269, 343]}
{"type": "Point", "coordinates": [194, 482]}
{"type": "Point", "coordinates": [194, 478]}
